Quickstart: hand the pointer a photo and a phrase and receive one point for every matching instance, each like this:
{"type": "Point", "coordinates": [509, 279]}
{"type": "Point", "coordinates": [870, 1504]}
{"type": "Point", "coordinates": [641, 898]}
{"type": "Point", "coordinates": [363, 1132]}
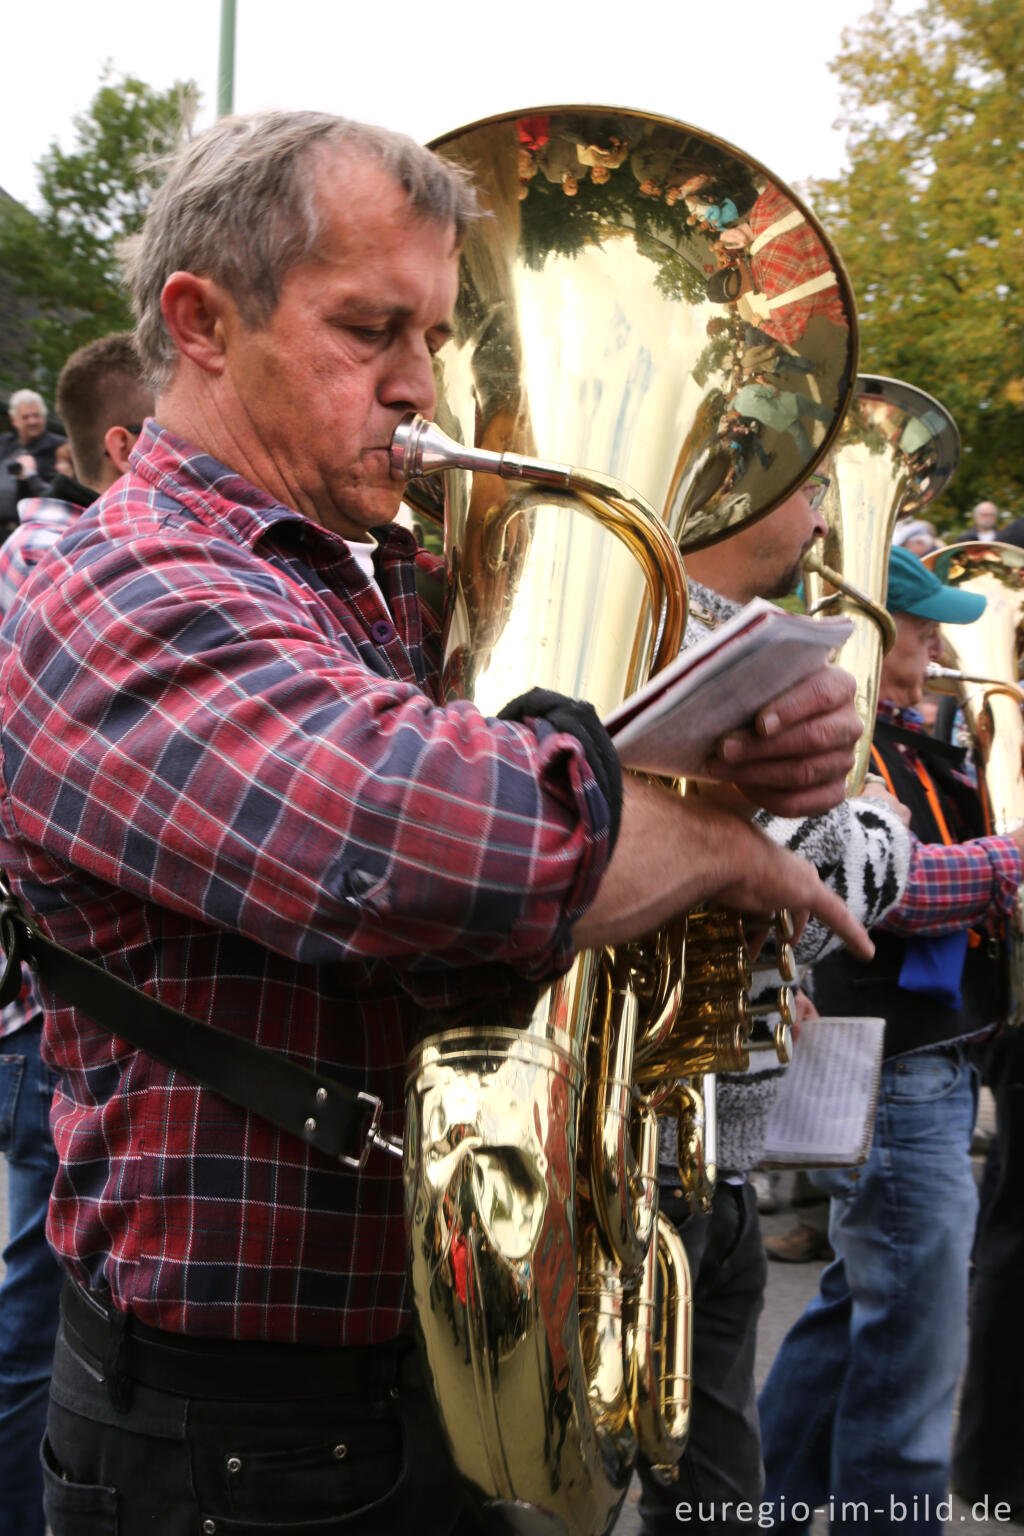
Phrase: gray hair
{"type": "Point", "coordinates": [25, 397]}
{"type": "Point", "coordinates": [239, 205]}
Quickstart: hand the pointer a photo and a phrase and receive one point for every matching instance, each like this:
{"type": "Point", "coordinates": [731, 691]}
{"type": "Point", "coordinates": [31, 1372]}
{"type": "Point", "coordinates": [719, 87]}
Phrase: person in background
{"type": "Point", "coordinates": [27, 454]}
{"type": "Point", "coordinates": [916, 535]}
{"type": "Point", "coordinates": [861, 848]}
{"type": "Point", "coordinates": [984, 523]}
{"type": "Point", "coordinates": [858, 1405]}
{"type": "Point", "coordinates": [103, 400]}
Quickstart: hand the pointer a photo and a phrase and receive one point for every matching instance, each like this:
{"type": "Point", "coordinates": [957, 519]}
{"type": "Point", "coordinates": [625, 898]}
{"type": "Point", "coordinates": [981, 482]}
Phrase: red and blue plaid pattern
{"type": "Point", "coordinates": [224, 777]}
{"type": "Point", "coordinates": [949, 887]}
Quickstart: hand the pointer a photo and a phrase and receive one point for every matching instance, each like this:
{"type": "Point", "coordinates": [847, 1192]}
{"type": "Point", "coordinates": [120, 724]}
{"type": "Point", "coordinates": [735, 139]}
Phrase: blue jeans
{"type": "Point", "coordinates": [858, 1406]}
{"type": "Point", "coordinates": [31, 1286]}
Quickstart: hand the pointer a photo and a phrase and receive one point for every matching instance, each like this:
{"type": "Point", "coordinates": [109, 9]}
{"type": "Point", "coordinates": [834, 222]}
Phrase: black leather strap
{"type": "Point", "coordinates": [318, 1110]}
{"type": "Point", "coordinates": [925, 746]}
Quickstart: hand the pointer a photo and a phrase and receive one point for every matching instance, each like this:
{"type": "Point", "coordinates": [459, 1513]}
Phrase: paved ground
{"type": "Point", "coordinates": [790, 1287]}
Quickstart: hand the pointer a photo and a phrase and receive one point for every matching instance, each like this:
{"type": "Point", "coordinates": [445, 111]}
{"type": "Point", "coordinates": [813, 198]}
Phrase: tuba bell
{"type": "Point", "coordinates": [896, 451]}
{"type": "Point", "coordinates": [987, 658]}
{"type": "Point", "coordinates": [551, 1300]}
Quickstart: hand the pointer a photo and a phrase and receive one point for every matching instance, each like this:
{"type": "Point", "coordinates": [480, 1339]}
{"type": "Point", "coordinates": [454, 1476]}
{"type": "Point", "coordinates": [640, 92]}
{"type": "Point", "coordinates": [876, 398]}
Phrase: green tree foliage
{"type": "Point", "coordinates": [929, 220]}
{"type": "Point", "coordinates": [62, 260]}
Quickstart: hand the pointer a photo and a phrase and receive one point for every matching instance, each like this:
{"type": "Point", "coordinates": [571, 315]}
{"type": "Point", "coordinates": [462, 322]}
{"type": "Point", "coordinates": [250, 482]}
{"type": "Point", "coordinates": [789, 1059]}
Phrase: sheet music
{"type": "Point", "coordinates": [825, 1114]}
{"type": "Point", "coordinates": [670, 725]}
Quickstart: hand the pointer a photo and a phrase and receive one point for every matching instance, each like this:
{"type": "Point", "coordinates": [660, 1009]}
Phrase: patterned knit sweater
{"type": "Point", "coordinates": [862, 851]}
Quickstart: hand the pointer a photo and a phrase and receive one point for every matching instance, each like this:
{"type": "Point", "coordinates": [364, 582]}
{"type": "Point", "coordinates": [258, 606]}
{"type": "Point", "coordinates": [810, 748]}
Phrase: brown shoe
{"type": "Point", "coordinates": [800, 1245]}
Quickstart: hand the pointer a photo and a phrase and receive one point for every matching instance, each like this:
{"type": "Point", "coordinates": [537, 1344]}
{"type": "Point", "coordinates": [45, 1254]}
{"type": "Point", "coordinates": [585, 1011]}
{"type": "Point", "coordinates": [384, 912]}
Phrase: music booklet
{"type": "Point", "coordinates": [671, 724]}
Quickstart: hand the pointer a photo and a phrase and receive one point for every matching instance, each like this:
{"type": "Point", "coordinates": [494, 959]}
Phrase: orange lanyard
{"type": "Point", "coordinates": [926, 782]}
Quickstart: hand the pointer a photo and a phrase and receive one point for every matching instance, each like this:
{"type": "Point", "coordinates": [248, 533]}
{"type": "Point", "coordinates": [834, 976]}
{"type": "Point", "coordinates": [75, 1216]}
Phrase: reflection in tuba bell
{"type": "Point", "coordinates": [594, 325]}
{"type": "Point", "coordinates": [987, 663]}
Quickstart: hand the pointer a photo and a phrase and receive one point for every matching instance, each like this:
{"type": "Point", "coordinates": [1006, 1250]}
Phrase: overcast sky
{"type": "Point", "coordinates": [754, 72]}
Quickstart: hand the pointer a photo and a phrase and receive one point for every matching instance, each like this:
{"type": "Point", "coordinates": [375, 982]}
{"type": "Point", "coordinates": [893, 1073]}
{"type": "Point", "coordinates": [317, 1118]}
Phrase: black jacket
{"type": "Point", "coordinates": [843, 985]}
{"type": "Point", "coordinates": [14, 489]}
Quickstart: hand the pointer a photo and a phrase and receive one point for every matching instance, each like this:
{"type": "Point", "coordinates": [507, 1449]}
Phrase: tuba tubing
{"type": "Point", "coordinates": [896, 451]}
{"type": "Point", "coordinates": [988, 656]}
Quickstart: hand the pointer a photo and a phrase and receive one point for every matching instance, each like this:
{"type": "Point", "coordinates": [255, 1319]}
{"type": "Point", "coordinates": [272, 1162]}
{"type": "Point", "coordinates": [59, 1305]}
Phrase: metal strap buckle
{"type": "Point", "coordinates": [373, 1137]}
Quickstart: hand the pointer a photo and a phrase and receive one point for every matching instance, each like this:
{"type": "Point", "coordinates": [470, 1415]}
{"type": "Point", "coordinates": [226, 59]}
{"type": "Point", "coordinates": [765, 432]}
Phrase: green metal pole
{"type": "Point", "coordinates": [226, 72]}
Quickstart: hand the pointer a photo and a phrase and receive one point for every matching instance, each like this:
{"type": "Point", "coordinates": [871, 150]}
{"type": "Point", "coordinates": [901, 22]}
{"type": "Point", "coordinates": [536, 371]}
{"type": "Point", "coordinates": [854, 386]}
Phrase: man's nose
{"type": "Point", "coordinates": [410, 381]}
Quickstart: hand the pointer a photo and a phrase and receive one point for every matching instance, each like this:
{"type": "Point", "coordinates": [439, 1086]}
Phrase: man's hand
{"type": "Point", "coordinates": [675, 852]}
{"type": "Point", "coordinates": [27, 466]}
{"type": "Point", "coordinates": [795, 759]}
{"type": "Point", "coordinates": [875, 790]}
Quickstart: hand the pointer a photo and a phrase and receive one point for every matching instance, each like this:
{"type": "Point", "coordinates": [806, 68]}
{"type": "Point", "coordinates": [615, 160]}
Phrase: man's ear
{"type": "Point", "coordinates": [119, 442]}
{"type": "Point", "coordinates": [193, 309]}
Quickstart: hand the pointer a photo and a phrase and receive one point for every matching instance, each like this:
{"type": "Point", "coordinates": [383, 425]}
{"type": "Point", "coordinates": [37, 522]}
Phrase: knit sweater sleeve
{"type": "Point", "coordinates": [861, 849]}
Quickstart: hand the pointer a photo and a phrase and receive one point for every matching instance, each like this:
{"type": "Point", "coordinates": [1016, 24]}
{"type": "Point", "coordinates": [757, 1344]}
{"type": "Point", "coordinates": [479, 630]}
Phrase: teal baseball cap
{"type": "Point", "coordinates": [913, 588]}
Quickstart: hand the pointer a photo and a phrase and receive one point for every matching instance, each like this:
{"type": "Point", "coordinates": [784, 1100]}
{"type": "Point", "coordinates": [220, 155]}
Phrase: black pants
{"type": "Point", "coordinates": [721, 1466]}
{"type": "Point", "coordinates": [365, 1461]}
{"type": "Point", "coordinates": [986, 1454]}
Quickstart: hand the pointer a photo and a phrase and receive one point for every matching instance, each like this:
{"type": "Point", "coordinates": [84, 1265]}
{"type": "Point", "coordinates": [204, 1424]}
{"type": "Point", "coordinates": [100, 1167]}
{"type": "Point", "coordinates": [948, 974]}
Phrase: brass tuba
{"type": "Point", "coordinates": [896, 451]}
{"type": "Point", "coordinates": [986, 668]}
{"type": "Point", "coordinates": [586, 329]}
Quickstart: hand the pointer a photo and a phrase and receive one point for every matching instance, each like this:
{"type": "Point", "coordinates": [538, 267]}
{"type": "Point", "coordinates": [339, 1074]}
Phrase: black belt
{"type": "Point", "coordinates": [228, 1369]}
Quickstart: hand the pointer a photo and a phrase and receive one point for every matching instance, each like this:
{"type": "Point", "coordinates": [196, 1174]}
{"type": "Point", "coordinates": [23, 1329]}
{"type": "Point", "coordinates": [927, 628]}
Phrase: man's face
{"type": "Point", "coordinates": [28, 421]}
{"type": "Point", "coordinates": [986, 514]}
{"type": "Point", "coordinates": [903, 671]}
{"type": "Point", "coordinates": [314, 397]}
{"type": "Point", "coordinates": [770, 553]}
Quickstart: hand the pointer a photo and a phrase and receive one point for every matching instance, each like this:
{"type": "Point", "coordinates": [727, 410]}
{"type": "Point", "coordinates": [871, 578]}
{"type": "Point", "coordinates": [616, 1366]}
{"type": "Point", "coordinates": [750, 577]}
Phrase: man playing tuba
{"type": "Point", "coordinates": [861, 848]}
{"type": "Point", "coordinates": [227, 778]}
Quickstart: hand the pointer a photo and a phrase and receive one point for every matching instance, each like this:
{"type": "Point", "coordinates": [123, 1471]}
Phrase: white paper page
{"type": "Point", "coordinates": [825, 1114]}
{"type": "Point", "coordinates": [670, 725]}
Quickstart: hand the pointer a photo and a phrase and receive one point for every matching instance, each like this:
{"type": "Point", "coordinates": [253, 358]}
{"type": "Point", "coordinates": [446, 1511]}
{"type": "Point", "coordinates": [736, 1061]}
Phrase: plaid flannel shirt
{"type": "Point", "coordinates": [224, 777]}
{"type": "Point", "coordinates": [951, 886]}
{"type": "Point", "coordinates": [785, 262]}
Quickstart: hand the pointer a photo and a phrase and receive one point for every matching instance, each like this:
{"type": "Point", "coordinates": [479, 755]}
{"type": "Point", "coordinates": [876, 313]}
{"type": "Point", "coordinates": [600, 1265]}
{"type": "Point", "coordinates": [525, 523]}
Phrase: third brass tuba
{"type": "Point", "coordinates": [986, 669]}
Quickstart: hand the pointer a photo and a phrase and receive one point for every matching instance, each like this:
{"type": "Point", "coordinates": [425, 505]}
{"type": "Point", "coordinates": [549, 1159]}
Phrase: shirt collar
{"type": "Point", "coordinates": [220, 498]}
{"type": "Point", "coordinates": [905, 715]}
{"type": "Point", "coordinates": [709, 607]}
{"type": "Point", "coordinates": [214, 494]}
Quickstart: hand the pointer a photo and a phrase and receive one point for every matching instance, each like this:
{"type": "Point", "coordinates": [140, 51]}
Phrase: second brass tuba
{"type": "Point", "coordinates": [587, 403]}
{"type": "Point", "coordinates": [897, 450]}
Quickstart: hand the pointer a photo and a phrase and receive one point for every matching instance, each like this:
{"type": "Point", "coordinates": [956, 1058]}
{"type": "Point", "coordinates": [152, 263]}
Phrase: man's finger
{"type": "Point", "coordinates": [828, 689]}
{"type": "Point", "coordinates": [842, 728]}
{"type": "Point", "coordinates": [836, 915]}
{"type": "Point", "coordinates": [796, 773]}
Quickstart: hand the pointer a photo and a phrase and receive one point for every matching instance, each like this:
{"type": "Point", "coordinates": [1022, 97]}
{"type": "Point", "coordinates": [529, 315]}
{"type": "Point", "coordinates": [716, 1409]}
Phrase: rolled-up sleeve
{"type": "Point", "coordinates": [951, 885]}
